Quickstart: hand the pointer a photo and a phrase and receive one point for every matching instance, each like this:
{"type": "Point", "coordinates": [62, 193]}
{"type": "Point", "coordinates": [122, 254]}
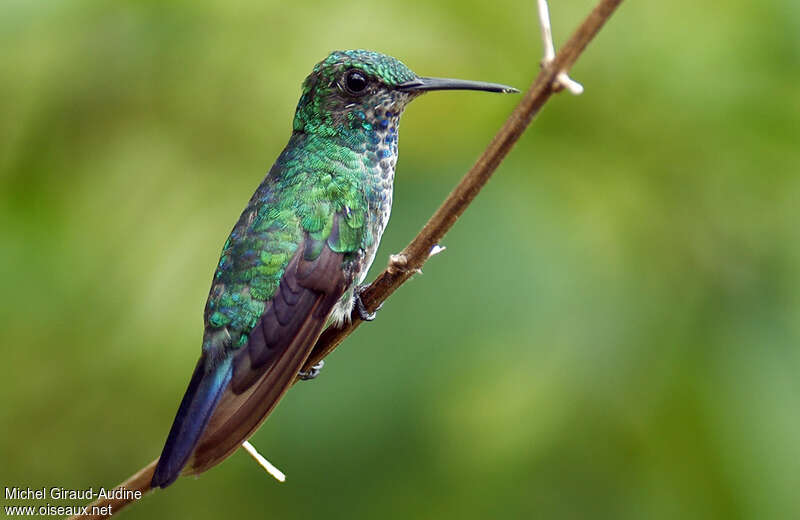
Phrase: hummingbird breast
{"type": "Point", "coordinates": [380, 158]}
{"type": "Point", "coordinates": [377, 127]}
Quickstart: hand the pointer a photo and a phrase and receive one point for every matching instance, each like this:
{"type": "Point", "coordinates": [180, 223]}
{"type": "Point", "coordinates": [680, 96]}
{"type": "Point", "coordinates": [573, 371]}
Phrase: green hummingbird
{"type": "Point", "coordinates": [294, 260]}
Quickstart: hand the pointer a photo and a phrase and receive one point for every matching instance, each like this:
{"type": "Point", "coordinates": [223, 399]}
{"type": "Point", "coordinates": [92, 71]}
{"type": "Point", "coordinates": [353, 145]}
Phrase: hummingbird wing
{"type": "Point", "coordinates": [277, 347]}
{"type": "Point", "coordinates": [233, 390]}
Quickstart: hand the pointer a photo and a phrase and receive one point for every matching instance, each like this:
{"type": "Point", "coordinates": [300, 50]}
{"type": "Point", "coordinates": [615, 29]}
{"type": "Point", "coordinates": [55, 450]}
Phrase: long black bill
{"type": "Point", "coordinates": [425, 84]}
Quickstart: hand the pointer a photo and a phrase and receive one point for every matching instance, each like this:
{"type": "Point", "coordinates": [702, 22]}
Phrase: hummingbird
{"type": "Point", "coordinates": [294, 261]}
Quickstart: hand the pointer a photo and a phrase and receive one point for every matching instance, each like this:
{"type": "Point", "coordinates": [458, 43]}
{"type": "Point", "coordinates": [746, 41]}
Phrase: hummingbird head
{"type": "Point", "coordinates": [350, 92]}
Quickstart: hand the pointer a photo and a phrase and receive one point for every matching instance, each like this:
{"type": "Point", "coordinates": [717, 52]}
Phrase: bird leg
{"type": "Point", "coordinates": [361, 308]}
{"type": "Point", "coordinates": [313, 373]}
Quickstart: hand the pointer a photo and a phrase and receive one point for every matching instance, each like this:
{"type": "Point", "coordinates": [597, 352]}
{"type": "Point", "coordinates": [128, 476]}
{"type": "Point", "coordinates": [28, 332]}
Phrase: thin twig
{"type": "Point", "coordinates": [549, 50]}
{"type": "Point", "coordinates": [104, 507]}
{"type": "Point", "coordinates": [263, 462]}
{"type": "Point", "coordinates": [403, 265]}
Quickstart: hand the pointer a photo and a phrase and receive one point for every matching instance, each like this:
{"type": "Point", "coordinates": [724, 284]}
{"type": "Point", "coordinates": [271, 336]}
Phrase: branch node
{"type": "Point", "coordinates": [570, 84]}
{"type": "Point", "coordinates": [397, 263]}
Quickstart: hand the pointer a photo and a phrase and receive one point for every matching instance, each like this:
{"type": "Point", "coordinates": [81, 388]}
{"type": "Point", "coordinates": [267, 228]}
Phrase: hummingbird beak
{"type": "Point", "coordinates": [425, 84]}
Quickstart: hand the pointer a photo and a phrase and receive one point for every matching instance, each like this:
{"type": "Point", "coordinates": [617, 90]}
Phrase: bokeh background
{"type": "Point", "coordinates": [612, 332]}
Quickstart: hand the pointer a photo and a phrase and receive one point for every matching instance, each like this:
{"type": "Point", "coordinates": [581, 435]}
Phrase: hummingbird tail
{"type": "Point", "coordinates": [199, 401]}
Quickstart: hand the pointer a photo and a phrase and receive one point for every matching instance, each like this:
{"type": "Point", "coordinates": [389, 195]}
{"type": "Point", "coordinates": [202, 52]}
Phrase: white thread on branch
{"type": "Point", "coordinates": [264, 463]}
{"type": "Point", "coordinates": [562, 79]}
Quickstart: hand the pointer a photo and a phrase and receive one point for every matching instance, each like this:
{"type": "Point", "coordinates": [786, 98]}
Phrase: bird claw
{"type": "Point", "coordinates": [313, 373]}
{"type": "Point", "coordinates": [361, 308]}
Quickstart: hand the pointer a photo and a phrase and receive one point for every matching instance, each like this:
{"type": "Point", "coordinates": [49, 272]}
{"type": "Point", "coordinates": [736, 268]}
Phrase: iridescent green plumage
{"type": "Point", "coordinates": [332, 165]}
{"type": "Point", "coordinates": [302, 244]}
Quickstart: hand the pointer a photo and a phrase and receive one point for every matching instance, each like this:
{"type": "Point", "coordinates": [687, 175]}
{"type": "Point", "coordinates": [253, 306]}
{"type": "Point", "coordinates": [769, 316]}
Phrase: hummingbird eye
{"type": "Point", "coordinates": [355, 82]}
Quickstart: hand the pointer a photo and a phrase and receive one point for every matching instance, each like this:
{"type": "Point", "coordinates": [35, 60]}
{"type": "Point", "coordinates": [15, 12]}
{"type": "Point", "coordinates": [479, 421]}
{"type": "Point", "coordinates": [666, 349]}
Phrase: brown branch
{"type": "Point", "coordinates": [104, 507]}
{"type": "Point", "coordinates": [413, 257]}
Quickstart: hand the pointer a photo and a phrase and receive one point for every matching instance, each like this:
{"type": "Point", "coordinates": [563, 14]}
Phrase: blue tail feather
{"type": "Point", "coordinates": [202, 396]}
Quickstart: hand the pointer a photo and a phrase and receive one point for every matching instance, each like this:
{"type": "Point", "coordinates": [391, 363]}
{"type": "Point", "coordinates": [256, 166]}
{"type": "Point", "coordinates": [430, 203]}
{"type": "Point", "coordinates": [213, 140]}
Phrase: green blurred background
{"type": "Point", "coordinates": [612, 332]}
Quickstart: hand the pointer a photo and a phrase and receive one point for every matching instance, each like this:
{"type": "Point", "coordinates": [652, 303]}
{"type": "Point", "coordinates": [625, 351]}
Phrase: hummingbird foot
{"type": "Point", "coordinates": [361, 308]}
{"type": "Point", "coordinates": [313, 373]}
